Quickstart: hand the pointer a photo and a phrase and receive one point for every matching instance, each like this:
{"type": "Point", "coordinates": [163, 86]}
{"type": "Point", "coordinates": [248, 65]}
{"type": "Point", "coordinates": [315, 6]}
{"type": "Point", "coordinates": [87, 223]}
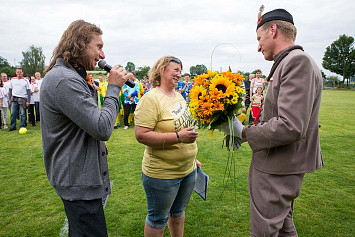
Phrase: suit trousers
{"type": "Point", "coordinates": [85, 217]}
{"type": "Point", "coordinates": [271, 203]}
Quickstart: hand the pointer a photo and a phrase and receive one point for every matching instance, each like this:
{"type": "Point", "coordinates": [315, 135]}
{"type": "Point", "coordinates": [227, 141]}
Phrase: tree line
{"type": "Point", "coordinates": [338, 58]}
{"type": "Point", "coordinates": [33, 61]}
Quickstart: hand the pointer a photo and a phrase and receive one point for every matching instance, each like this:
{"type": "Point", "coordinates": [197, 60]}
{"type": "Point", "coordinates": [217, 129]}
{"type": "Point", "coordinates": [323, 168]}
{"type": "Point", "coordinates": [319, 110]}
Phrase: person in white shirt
{"type": "Point", "coordinates": [5, 93]}
{"type": "Point", "coordinates": [6, 85]}
{"type": "Point", "coordinates": [31, 109]}
{"type": "Point", "coordinates": [2, 95]}
{"type": "Point", "coordinates": [19, 98]}
{"type": "Point", "coordinates": [257, 82]}
{"type": "Point", "coordinates": [39, 81]}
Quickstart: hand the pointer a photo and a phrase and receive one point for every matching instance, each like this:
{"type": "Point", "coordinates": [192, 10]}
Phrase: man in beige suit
{"type": "Point", "coordinates": [285, 143]}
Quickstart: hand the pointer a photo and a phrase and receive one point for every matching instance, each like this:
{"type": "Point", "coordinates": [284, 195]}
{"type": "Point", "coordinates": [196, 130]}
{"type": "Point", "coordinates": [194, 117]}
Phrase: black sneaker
{"type": "Point", "coordinates": [11, 129]}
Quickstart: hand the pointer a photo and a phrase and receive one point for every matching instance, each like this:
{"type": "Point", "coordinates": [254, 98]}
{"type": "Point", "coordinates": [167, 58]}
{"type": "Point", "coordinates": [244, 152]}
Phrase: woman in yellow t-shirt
{"type": "Point", "coordinates": [163, 123]}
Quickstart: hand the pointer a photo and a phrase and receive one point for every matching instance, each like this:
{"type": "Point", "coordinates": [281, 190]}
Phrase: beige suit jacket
{"type": "Point", "coordinates": [286, 141]}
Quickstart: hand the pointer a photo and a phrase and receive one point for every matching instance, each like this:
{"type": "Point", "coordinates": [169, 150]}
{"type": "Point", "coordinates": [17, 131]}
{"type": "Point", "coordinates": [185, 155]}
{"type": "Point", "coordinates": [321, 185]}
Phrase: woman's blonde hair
{"type": "Point", "coordinates": [73, 43]}
{"type": "Point", "coordinates": [159, 67]}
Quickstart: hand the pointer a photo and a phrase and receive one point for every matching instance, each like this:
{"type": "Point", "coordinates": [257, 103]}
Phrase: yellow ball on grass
{"type": "Point", "coordinates": [22, 131]}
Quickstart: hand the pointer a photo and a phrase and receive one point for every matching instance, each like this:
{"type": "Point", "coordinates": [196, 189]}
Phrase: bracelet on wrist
{"type": "Point", "coordinates": [177, 135]}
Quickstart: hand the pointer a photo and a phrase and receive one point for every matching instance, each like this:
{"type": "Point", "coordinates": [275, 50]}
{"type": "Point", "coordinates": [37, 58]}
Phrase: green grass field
{"type": "Point", "coordinates": [29, 206]}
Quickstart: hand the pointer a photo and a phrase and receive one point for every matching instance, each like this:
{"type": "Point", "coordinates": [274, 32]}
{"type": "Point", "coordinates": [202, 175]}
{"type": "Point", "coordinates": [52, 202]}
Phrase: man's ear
{"type": "Point", "coordinates": [273, 29]}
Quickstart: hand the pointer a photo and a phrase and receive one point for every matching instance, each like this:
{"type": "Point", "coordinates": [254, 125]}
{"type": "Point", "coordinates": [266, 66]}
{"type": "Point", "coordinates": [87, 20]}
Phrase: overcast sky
{"type": "Point", "coordinates": [217, 33]}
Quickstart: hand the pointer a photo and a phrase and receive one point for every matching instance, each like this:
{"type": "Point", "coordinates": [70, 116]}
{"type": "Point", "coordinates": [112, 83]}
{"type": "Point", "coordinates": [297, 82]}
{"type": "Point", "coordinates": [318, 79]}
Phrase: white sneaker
{"type": "Point", "coordinates": [5, 127]}
{"type": "Point", "coordinates": [125, 127]}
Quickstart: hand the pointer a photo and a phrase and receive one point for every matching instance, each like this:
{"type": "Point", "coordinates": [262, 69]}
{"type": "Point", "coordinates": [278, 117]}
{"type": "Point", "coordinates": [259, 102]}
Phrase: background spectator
{"type": "Point", "coordinates": [19, 98]}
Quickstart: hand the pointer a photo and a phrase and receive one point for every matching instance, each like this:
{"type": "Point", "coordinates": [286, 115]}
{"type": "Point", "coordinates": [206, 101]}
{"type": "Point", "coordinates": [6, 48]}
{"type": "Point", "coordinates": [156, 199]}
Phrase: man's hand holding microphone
{"type": "Point", "coordinates": [118, 75]}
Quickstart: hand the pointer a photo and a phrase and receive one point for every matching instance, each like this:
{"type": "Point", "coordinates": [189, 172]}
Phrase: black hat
{"type": "Point", "coordinates": [277, 14]}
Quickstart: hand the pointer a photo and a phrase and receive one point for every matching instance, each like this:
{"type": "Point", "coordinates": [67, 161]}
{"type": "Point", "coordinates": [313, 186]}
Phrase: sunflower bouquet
{"type": "Point", "coordinates": [216, 98]}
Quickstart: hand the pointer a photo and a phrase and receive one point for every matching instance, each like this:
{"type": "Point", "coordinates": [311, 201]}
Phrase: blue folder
{"type": "Point", "coordinates": [201, 184]}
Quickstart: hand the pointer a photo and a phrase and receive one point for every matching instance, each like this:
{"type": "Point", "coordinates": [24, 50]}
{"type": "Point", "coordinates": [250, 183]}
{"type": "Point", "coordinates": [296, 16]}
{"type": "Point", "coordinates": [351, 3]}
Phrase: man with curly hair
{"type": "Point", "coordinates": [74, 129]}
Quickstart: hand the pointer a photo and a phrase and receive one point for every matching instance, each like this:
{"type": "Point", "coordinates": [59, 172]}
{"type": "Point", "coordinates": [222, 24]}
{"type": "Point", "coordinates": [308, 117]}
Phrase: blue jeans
{"type": "Point", "coordinates": [14, 112]}
{"type": "Point", "coordinates": [167, 197]}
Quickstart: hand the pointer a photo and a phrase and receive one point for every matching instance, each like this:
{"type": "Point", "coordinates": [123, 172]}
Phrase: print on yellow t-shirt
{"type": "Point", "coordinates": [166, 114]}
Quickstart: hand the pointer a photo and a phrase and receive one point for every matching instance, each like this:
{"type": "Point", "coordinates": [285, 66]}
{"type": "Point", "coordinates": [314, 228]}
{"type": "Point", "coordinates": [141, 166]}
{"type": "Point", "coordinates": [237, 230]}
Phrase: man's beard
{"type": "Point", "coordinates": [86, 61]}
{"type": "Point", "coordinates": [87, 64]}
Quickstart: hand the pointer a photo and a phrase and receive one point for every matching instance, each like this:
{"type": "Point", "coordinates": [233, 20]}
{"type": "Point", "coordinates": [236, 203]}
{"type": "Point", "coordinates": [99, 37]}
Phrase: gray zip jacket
{"type": "Point", "coordinates": [73, 131]}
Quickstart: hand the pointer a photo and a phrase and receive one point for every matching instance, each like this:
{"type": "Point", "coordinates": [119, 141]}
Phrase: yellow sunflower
{"type": "Point", "coordinates": [218, 105]}
{"type": "Point", "coordinates": [239, 90]}
{"type": "Point", "coordinates": [199, 80]}
{"type": "Point", "coordinates": [195, 93]}
{"type": "Point", "coordinates": [234, 100]}
{"type": "Point", "coordinates": [210, 74]}
{"type": "Point", "coordinates": [226, 101]}
{"type": "Point", "coordinates": [222, 84]}
{"type": "Point", "coordinates": [204, 99]}
{"type": "Point", "coordinates": [206, 83]}
{"type": "Point", "coordinates": [228, 74]}
{"type": "Point", "coordinates": [216, 94]}
{"type": "Point", "coordinates": [193, 104]}
{"type": "Point", "coordinates": [207, 108]}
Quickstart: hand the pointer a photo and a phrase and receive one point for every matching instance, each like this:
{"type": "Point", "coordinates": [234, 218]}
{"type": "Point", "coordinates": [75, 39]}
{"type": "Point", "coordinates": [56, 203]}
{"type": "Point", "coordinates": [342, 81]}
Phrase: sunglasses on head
{"type": "Point", "coordinates": [175, 60]}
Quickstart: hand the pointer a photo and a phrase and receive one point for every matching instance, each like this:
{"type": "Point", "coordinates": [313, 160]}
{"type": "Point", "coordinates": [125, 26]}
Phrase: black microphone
{"type": "Point", "coordinates": [103, 65]}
